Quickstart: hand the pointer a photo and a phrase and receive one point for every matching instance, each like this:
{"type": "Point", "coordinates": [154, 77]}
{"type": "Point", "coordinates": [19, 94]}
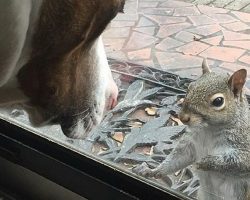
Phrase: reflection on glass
{"type": "Point", "coordinates": [66, 93]}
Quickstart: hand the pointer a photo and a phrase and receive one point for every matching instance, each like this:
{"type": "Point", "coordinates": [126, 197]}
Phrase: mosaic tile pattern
{"type": "Point", "coordinates": [243, 5]}
{"type": "Point", "coordinates": [176, 35]}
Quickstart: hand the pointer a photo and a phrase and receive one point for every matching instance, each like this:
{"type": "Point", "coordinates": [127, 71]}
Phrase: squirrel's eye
{"type": "Point", "coordinates": [219, 101]}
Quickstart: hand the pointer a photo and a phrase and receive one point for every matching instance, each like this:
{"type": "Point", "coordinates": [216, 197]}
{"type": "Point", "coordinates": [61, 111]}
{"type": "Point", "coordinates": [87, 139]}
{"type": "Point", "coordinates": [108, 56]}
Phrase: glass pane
{"type": "Point", "coordinates": [56, 81]}
{"type": "Point", "coordinates": [143, 127]}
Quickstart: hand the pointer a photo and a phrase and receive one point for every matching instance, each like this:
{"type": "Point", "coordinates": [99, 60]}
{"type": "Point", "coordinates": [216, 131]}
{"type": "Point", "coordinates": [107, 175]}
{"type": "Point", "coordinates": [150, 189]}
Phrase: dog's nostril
{"type": "Point", "coordinates": [67, 131]}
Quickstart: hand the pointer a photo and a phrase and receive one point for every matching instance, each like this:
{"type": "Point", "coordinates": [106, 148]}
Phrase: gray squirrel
{"type": "Point", "coordinates": [218, 141]}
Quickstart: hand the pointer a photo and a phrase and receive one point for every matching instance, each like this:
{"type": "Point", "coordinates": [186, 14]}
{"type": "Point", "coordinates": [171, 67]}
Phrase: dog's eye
{"type": "Point", "coordinates": [218, 102]}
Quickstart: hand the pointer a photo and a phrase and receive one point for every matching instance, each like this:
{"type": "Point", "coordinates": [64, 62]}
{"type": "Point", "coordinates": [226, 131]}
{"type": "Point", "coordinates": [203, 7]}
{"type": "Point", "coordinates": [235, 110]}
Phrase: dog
{"type": "Point", "coordinates": [52, 53]}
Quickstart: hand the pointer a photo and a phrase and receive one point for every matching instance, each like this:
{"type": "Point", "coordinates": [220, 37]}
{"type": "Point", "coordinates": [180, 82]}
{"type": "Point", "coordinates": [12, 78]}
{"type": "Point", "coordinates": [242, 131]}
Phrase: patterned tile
{"type": "Point", "coordinates": [223, 53]}
{"type": "Point", "coordinates": [173, 61]}
{"type": "Point", "coordinates": [201, 20]}
{"type": "Point", "coordinates": [230, 35]}
{"type": "Point", "coordinates": [145, 22]}
{"type": "Point", "coordinates": [176, 35]}
{"type": "Point", "coordinates": [245, 59]}
{"type": "Point", "coordinates": [206, 30]}
{"type": "Point", "coordinates": [166, 19]}
{"type": "Point", "coordinates": [186, 36]}
{"type": "Point", "coordinates": [239, 44]}
{"type": "Point", "coordinates": [245, 17]}
{"type": "Point", "coordinates": [139, 41]}
{"type": "Point", "coordinates": [192, 48]}
{"type": "Point", "coordinates": [186, 11]}
{"type": "Point", "coordinates": [215, 41]}
{"type": "Point", "coordinates": [168, 43]}
{"type": "Point", "coordinates": [236, 26]}
{"type": "Point", "coordinates": [146, 30]}
{"type": "Point", "coordinates": [142, 54]}
{"type": "Point", "coordinates": [175, 4]}
{"type": "Point", "coordinates": [167, 30]}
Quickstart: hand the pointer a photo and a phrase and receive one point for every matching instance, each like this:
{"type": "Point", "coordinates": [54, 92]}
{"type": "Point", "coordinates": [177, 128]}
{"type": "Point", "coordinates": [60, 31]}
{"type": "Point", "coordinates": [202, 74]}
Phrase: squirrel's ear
{"type": "Point", "coordinates": [237, 81]}
{"type": "Point", "coordinates": [205, 67]}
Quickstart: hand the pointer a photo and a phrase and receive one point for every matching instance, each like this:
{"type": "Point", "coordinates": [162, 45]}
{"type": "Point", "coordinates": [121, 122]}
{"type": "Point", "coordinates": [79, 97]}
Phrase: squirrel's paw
{"type": "Point", "coordinates": [145, 171]}
{"type": "Point", "coordinates": [206, 163]}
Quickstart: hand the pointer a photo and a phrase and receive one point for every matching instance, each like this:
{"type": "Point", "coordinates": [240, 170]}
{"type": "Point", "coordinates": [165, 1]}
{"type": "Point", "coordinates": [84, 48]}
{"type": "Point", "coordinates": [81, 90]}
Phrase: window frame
{"type": "Point", "coordinates": [38, 154]}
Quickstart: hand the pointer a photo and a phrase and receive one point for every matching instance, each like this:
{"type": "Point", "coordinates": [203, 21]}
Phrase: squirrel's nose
{"type": "Point", "coordinates": [185, 118]}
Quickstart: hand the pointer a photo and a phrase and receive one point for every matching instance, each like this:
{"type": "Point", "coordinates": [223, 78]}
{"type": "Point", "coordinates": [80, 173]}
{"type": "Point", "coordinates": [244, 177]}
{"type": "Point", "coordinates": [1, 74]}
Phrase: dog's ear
{"type": "Point", "coordinates": [121, 9]}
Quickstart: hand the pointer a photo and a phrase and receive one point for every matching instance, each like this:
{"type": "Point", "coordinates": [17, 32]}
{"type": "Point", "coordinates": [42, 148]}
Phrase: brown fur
{"type": "Point", "coordinates": [55, 78]}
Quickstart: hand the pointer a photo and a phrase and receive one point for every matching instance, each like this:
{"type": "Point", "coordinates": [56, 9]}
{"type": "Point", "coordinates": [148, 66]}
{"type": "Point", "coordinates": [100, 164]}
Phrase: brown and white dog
{"type": "Point", "coordinates": [53, 51]}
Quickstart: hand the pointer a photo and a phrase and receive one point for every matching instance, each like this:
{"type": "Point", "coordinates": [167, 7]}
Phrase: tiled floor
{"type": "Point", "coordinates": [240, 5]}
{"type": "Point", "coordinates": [176, 35]}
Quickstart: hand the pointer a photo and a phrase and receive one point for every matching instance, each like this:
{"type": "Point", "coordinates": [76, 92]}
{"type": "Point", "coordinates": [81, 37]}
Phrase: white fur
{"type": "Point", "coordinates": [96, 56]}
{"type": "Point", "coordinates": [18, 20]}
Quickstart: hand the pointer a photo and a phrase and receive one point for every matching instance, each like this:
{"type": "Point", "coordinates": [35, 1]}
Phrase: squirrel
{"type": "Point", "coordinates": [217, 142]}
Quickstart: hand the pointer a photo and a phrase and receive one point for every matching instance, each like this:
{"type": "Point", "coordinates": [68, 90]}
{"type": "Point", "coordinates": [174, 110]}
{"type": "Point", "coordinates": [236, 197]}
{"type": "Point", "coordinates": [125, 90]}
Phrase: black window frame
{"type": "Point", "coordinates": [81, 174]}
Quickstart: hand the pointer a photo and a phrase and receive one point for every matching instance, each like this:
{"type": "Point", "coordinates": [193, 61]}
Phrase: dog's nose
{"type": "Point", "coordinates": [185, 118]}
{"type": "Point", "coordinates": [74, 127]}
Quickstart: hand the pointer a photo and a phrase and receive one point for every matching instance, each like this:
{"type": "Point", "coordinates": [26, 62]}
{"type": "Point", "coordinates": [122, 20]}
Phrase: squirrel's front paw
{"type": "Point", "coordinates": [144, 170]}
{"type": "Point", "coordinates": [206, 163]}
{"type": "Point", "coordinates": [200, 165]}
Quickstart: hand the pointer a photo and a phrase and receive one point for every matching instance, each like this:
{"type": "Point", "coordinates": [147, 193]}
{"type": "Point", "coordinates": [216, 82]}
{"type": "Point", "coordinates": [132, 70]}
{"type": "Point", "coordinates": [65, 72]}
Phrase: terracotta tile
{"type": "Point", "coordinates": [222, 53]}
{"type": "Point", "coordinates": [175, 4]}
{"type": "Point", "coordinates": [221, 70]}
{"type": "Point", "coordinates": [192, 48]}
{"type": "Point", "coordinates": [245, 17]}
{"type": "Point", "coordinates": [126, 17]}
{"type": "Point", "coordinates": [168, 43]}
{"type": "Point", "coordinates": [240, 44]}
{"type": "Point", "coordinates": [186, 36]}
{"type": "Point", "coordinates": [206, 30]}
{"type": "Point", "coordinates": [145, 22]}
{"type": "Point", "coordinates": [233, 67]}
{"type": "Point", "coordinates": [229, 35]}
{"type": "Point", "coordinates": [223, 18]}
{"type": "Point", "coordinates": [211, 10]}
{"type": "Point", "coordinates": [166, 19]}
{"type": "Point", "coordinates": [192, 73]}
{"type": "Point", "coordinates": [186, 11]}
{"type": "Point", "coordinates": [158, 11]}
{"type": "Point", "coordinates": [117, 32]}
{"type": "Point", "coordinates": [148, 63]}
{"type": "Point", "coordinates": [213, 40]}
{"type": "Point", "coordinates": [141, 54]}
{"type": "Point", "coordinates": [247, 88]}
{"type": "Point", "coordinates": [245, 59]}
{"type": "Point", "coordinates": [173, 61]}
{"type": "Point", "coordinates": [236, 26]}
{"type": "Point", "coordinates": [148, 4]}
{"type": "Point", "coordinates": [201, 20]}
{"type": "Point", "coordinates": [139, 41]}
{"type": "Point", "coordinates": [168, 30]}
{"type": "Point", "coordinates": [113, 44]}
{"type": "Point", "coordinates": [119, 55]}
{"type": "Point", "coordinates": [146, 30]}
{"type": "Point", "coordinates": [131, 7]}
{"type": "Point", "coordinates": [118, 24]}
